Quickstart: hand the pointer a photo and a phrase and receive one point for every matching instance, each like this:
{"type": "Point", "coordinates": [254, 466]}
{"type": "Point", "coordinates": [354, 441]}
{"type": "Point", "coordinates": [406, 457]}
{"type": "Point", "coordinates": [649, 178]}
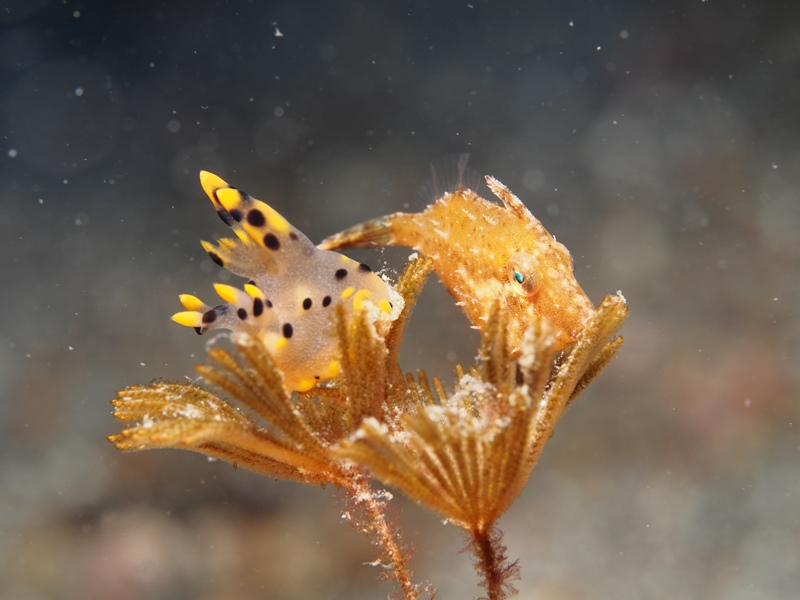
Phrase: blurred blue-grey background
{"type": "Point", "coordinates": [657, 140]}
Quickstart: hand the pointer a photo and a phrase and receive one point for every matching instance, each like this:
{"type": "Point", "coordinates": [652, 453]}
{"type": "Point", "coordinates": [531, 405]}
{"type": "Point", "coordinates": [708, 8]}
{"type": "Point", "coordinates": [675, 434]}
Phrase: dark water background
{"type": "Point", "coordinates": [657, 140]}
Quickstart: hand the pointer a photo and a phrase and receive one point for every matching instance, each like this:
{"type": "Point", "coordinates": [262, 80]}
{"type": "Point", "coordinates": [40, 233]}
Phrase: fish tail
{"type": "Point", "coordinates": [371, 234]}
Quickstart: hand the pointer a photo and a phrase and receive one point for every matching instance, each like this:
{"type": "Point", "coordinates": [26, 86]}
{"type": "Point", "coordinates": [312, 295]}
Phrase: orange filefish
{"type": "Point", "coordinates": [483, 251]}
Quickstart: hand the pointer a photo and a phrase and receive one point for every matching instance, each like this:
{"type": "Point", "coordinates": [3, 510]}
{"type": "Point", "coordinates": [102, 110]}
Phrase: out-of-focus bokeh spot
{"type": "Point", "coordinates": [62, 116]}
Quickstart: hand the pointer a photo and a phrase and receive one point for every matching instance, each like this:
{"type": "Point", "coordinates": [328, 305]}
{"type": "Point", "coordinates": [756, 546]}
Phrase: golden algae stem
{"type": "Point", "coordinates": [491, 562]}
{"type": "Point", "coordinates": [369, 515]}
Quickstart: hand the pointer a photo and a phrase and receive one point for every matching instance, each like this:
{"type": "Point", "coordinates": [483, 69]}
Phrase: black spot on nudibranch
{"type": "Point", "coordinates": [258, 307]}
{"type": "Point", "coordinates": [209, 316]}
{"type": "Point", "coordinates": [256, 218]}
{"type": "Point", "coordinates": [242, 314]}
{"type": "Point", "coordinates": [293, 236]}
{"type": "Point", "coordinates": [226, 217]}
{"type": "Point", "coordinates": [271, 242]}
{"type": "Point", "coordinates": [215, 257]}
{"type": "Point", "coordinates": [307, 303]}
{"type": "Point", "coordinates": [237, 215]}
{"type": "Point", "coordinates": [269, 303]}
{"type": "Point", "coordinates": [288, 330]}
{"type": "Point", "coordinates": [364, 268]}
{"type": "Point", "coordinates": [326, 301]}
{"type": "Point", "coordinates": [341, 273]}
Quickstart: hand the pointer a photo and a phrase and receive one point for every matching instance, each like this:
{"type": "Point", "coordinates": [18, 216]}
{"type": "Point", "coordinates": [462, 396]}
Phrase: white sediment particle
{"type": "Point", "coordinates": [238, 337]}
{"type": "Point", "coordinates": [398, 303]}
{"type": "Point", "coordinates": [401, 437]}
{"type": "Point", "coordinates": [457, 416]}
{"type": "Point", "coordinates": [469, 386]}
{"type": "Point", "coordinates": [371, 423]}
{"type": "Point", "coordinates": [528, 356]}
{"type": "Point", "coordinates": [383, 495]}
{"type": "Point", "coordinates": [190, 411]}
{"type": "Point", "coordinates": [522, 394]}
{"type": "Point", "coordinates": [435, 413]}
{"type": "Point", "coordinates": [364, 496]}
{"type": "Point", "coordinates": [502, 422]}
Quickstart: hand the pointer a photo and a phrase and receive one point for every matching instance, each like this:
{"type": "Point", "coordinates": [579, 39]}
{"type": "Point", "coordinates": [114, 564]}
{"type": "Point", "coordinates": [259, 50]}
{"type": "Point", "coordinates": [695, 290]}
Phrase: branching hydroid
{"type": "Point", "coordinates": [465, 453]}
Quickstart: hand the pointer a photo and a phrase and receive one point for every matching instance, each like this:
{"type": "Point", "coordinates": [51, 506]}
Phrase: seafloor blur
{"type": "Point", "coordinates": [658, 141]}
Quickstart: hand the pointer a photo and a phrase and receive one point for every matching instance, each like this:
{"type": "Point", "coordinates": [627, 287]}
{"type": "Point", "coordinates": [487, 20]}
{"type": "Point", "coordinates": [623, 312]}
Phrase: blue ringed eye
{"type": "Point", "coordinates": [519, 277]}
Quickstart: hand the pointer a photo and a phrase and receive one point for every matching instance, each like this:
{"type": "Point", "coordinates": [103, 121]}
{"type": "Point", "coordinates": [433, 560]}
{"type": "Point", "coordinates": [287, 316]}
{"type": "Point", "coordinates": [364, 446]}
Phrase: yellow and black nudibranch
{"type": "Point", "coordinates": [293, 288]}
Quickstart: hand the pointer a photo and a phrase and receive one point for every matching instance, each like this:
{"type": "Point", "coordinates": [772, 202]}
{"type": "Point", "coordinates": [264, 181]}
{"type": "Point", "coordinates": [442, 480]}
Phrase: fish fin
{"type": "Point", "coordinates": [377, 232]}
{"type": "Point", "coordinates": [448, 174]}
{"type": "Point", "coordinates": [510, 201]}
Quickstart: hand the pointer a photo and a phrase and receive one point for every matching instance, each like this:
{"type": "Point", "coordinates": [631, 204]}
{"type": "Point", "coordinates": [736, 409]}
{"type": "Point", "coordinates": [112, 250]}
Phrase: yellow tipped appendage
{"type": "Point", "coordinates": [360, 297]}
{"type": "Point", "coordinates": [334, 367]}
{"type": "Point", "coordinates": [303, 385]}
{"type": "Point", "coordinates": [253, 291]}
{"type": "Point", "coordinates": [192, 303]}
{"type": "Point", "coordinates": [211, 182]}
{"type": "Point", "coordinates": [227, 292]}
{"type": "Point", "coordinates": [188, 318]}
{"type": "Point", "coordinates": [231, 199]}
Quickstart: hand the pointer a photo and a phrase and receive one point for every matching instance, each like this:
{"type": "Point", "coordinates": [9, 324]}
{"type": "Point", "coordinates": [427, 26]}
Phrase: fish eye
{"type": "Point", "coordinates": [522, 271]}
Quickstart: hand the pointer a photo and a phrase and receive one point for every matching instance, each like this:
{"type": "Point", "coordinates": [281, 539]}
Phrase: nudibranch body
{"type": "Point", "coordinates": [293, 288]}
{"type": "Point", "coordinates": [482, 252]}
